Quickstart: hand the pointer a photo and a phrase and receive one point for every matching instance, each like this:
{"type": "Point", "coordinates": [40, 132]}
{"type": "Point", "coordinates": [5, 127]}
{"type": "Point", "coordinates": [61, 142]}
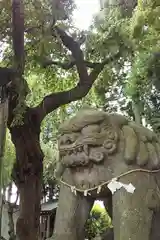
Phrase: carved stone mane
{"type": "Point", "coordinates": [92, 135]}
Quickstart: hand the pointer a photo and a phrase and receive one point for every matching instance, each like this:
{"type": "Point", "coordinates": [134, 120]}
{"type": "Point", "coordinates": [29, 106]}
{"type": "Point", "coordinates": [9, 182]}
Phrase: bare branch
{"type": "Point", "coordinates": [77, 53]}
{"type": "Point", "coordinates": [31, 29]}
{"type": "Point", "coordinates": [68, 65]}
{"type": "Point", "coordinates": [63, 65]}
{"type": "Point", "coordinates": [55, 100]}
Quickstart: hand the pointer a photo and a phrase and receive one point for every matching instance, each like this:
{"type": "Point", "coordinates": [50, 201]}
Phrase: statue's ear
{"type": "Point", "coordinates": [86, 107]}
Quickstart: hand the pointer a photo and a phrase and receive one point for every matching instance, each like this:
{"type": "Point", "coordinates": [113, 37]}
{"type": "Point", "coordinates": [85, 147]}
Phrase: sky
{"type": "Point", "coordinates": [85, 11]}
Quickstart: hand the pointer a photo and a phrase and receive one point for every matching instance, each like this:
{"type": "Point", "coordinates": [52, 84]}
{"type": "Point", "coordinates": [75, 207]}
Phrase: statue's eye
{"type": "Point", "coordinates": [91, 129]}
{"type": "Point", "coordinates": [68, 138]}
{"type": "Point", "coordinates": [68, 141]}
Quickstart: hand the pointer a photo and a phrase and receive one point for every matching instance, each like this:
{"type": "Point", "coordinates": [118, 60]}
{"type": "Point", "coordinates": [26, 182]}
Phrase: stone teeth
{"type": "Point", "coordinates": [69, 152]}
{"type": "Point", "coordinates": [86, 149]}
{"type": "Point", "coordinates": [80, 149]}
{"type": "Point", "coordinates": [75, 151]}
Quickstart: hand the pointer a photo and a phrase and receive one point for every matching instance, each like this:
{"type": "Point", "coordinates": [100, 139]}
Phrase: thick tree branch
{"type": "Point", "coordinates": [55, 100]}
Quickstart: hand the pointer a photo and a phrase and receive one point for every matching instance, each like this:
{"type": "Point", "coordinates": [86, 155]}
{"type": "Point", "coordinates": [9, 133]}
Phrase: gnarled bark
{"type": "Point", "coordinates": [28, 176]}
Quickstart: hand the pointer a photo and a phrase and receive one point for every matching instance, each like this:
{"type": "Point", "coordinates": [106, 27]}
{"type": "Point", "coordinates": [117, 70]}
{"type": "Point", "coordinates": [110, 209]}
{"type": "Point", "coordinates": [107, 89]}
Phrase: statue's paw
{"type": "Point", "coordinates": [141, 146]}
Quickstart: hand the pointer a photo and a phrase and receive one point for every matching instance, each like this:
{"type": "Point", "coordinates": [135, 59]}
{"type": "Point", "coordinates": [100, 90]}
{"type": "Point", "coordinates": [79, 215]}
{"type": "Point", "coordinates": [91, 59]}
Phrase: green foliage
{"type": "Point", "coordinates": [137, 81]}
{"type": "Point", "coordinates": [143, 78]}
{"type": "Point", "coordinates": [134, 78]}
{"type": "Point", "coordinates": [107, 36]}
{"type": "Point", "coordinates": [50, 160]}
{"type": "Point", "coordinates": [98, 222]}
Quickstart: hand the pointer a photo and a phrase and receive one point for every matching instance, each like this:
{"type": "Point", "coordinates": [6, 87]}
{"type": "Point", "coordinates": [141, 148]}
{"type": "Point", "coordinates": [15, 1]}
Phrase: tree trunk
{"type": "Point", "coordinates": [28, 175]}
{"type": "Point", "coordinates": [137, 112]}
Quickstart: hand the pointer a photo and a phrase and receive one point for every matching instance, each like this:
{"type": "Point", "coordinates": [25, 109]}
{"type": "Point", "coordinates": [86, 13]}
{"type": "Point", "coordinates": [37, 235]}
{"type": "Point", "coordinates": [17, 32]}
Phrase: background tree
{"type": "Point", "coordinates": [131, 83]}
{"type": "Point", "coordinates": [98, 222]}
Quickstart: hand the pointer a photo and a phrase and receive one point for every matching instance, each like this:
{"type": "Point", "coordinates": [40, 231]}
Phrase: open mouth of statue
{"type": "Point", "coordinates": [81, 155]}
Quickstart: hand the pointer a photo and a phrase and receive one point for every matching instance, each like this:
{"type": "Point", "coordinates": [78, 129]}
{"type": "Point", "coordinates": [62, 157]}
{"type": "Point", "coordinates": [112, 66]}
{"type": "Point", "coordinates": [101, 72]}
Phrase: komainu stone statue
{"type": "Point", "coordinates": [94, 149]}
